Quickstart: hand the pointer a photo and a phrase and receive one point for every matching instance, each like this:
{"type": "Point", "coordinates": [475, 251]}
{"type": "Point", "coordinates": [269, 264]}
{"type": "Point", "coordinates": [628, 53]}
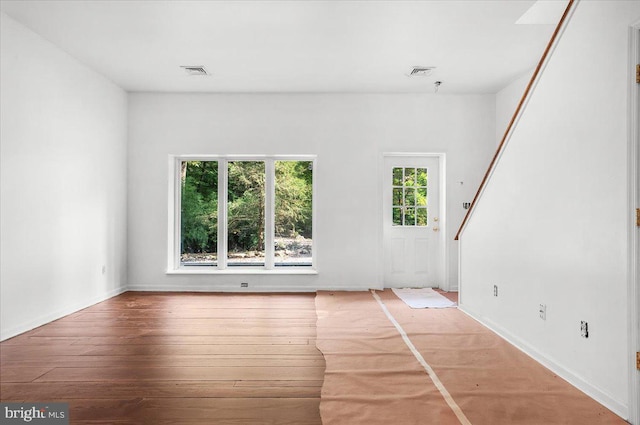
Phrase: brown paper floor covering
{"type": "Point", "coordinates": [372, 377]}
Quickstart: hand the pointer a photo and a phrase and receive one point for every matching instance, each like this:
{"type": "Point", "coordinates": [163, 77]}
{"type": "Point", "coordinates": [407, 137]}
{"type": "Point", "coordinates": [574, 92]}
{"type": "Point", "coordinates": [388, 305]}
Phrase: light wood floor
{"type": "Point", "coordinates": [174, 358]}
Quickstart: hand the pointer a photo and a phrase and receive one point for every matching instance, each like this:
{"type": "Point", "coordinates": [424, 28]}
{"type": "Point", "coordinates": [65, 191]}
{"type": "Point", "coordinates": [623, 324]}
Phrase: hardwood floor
{"type": "Point", "coordinates": [174, 358]}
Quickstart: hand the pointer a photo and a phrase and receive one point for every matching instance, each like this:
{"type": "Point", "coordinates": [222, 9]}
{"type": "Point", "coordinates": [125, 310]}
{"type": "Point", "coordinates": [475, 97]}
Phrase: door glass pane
{"type": "Point", "coordinates": [410, 197]}
{"type": "Point", "coordinates": [410, 217]}
{"type": "Point", "coordinates": [199, 213]}
{"type": "Point", "coordinates": [421, 216]}
{"type": "Point", "coordinates": [421, 197]}
{"type": "Point", "coordinates": [397, 197]}
{"type": "Point", "coordinates": [245, 213]}
{"type": "Point", "coordinates": [293, 213]}
{"type": "Point", "coordinates": [397, 176]}
{"type": "Point", "coordinates": [397, 216]}
{"type": "Point", "coordinates": [409, 176]}
{"type": "Point", "coordinates": [421, 179]}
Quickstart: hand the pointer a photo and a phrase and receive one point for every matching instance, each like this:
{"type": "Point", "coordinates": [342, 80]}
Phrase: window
{"type": "Point", "coordinates": [293, 213]}
{"type": "Point", "coordinates": [246, 203]}
{"type": "Point", "coordinates": [242, 213]}
{"type": "Point", "coordinates": [409, 196]}
{"type": "Point", "coordinates": [199, 212]}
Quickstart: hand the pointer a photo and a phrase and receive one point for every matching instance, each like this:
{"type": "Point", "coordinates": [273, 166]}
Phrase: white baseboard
{"type": "Point", "coordinates": [235, 288]}
{"type": "Point", "coordinates": [600, 396]}
{"type": "Point", "coordinates": [64, 311]}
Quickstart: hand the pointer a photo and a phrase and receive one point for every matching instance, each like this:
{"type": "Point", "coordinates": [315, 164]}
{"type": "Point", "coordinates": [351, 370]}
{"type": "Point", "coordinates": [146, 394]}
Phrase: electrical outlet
{"type": "Point", "coordinates": [543, 311]}
{"type": "Point", "coordinates": [584, 329]}
{"type": "Point", "coordinates": [244, 285]}
{"type": "Point", "coordinates": [495, 290]}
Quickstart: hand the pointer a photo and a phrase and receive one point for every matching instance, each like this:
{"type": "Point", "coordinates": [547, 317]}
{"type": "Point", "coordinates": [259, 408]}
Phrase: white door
{"type": "Point", "coordinates": [411, 221]}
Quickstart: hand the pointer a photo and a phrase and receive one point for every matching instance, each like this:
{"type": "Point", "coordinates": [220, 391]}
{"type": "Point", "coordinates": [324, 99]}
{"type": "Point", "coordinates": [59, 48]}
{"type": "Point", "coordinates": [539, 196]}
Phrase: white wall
{"type": "Point", "coordinates": [551, 226]}
{"type": "Point", "coordinates": [347, 132]}
{"type": "Point", "coordinates": [507, 101]}
{"type": "Point", "coordinates": [63, 182]}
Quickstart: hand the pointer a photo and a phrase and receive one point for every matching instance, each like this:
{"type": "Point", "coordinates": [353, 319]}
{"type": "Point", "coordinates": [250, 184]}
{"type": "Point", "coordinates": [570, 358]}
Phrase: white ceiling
{"type": "Point", "coordinates": [293, 46]}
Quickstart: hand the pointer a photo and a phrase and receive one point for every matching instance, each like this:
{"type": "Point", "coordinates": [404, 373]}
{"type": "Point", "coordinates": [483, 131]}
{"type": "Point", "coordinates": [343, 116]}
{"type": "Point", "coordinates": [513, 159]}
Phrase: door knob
{"type": "Point", "coordinates": [436, 229]}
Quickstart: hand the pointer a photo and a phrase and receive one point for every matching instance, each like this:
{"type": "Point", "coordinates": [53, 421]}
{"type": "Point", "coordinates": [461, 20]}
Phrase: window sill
{"type": "Point", "coordinates": [195, 270]}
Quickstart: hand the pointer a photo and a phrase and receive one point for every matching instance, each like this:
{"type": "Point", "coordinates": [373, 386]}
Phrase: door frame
{"type": "Point", "coordinates": [443, 270]}
{"type": "Point", "coordinates": [633, 291]}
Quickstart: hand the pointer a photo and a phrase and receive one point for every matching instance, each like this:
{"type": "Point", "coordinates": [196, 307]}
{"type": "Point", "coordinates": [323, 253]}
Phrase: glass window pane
{"type": "Point", "coordinates": [421, 216]}
{"type": "Point", "coordinates": [421, 179]}
{"type": "Point", "coordinates": [293, 213]}
{"type": "Point", "coordinates": [397, 197]}
{"type": "Point", "coordinates": [199, 213]}
{"type": "Point", "coordinates": [245, 213]}
{"type": "Point", "coordinates": [409, 176]}
{"type": "Point", "coordinates": [397, 176]}
{"type": "Point", "coordinates": [397, 216]}
{"type": "Point", "coordinates": [421, 197]}
{"type": "Point", "coordinates": [410, 197]}
{"type": "Point", "coordinates": [409, 216]}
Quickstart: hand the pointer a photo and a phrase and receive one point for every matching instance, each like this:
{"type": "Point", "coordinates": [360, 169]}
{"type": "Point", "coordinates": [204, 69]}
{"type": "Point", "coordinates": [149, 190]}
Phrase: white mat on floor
{"type": "Point", "coordinates": [422, 298]}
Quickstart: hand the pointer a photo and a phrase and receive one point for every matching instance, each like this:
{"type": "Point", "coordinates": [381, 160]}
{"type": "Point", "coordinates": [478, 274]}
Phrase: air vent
{"type": "Point", "coordinates": [421, 71]}
{"type": "Point", "coordinates": [195, 70]}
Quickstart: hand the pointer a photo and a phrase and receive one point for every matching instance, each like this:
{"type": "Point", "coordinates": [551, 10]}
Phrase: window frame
{"type": "Point", "coordinates": [174, 265]}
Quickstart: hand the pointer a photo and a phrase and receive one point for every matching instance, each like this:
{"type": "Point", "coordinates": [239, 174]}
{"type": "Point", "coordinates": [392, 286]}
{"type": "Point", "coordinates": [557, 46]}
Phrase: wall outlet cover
{"type": "Point", "coordinates": [543, 311]}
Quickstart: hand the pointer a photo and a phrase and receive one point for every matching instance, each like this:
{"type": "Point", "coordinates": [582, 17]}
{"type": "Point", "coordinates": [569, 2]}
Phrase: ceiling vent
{"type": "Point", "coordinates": [421, 71]}
{"type": "Point", "coordinates": [195, 70]}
